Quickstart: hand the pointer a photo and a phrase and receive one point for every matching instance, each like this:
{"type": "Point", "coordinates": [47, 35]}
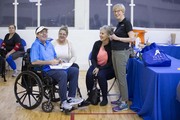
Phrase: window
{"type": "Point", "coordinates": [6, 13]}
{"type": "Point", "coordinates": [157, 14]}
{"type": "Point", "coordinates": [147, 13]}
{"type": "Point", "coordinates": [55, 13]}
{"type": "Point", "coordinates": [99, 11]}
{"type": "Point", "coordinates": [26, 14]}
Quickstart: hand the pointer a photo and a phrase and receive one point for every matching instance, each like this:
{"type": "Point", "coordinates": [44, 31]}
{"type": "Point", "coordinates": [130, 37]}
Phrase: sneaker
{"type": "Point", "coordinates": [66, 105]}
{"type": "Point", "coordinates": [117, 102]}
{"type": "Point", "coordinates": [74, 101]}
{"type": "Point", "coordinates": [121, 107]}
{"type": "Point", "coordinates": [15, 73]}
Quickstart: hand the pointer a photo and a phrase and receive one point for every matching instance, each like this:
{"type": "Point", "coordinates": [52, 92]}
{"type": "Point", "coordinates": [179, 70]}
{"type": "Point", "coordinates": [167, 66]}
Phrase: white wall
{"type": "Point", "coordinates": [162, 35]}
{"type": "Point", "coordinates": [83, 40]}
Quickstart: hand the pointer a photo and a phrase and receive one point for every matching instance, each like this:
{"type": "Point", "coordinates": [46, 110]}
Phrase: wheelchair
{"type": "Point", "coordinates": [32, 85]}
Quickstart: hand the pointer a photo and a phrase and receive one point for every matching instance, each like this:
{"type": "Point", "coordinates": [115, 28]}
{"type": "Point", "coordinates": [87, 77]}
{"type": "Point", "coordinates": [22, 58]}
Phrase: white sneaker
{"type": "Point", "coordinates": [66, 105]}
{"type": "Point", "coordinates": [74, 101]}
{"type": "Point", "coordinates": [15, 73]}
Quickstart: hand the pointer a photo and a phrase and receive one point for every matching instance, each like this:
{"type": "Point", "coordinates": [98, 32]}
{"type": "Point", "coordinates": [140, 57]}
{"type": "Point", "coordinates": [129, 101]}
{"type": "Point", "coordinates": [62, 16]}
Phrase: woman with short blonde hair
{"type": "Point", "coordinates": [121, 39]}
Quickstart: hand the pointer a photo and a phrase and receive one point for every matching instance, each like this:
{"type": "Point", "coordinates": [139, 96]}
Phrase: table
{"type": "Point", "coordinates": [172, 50]}
{"type": "Point", "coordinates": [152, 90]}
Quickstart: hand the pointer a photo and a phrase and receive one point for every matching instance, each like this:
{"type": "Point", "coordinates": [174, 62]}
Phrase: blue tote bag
{"type": "Point", "coordinates": [153, 56]}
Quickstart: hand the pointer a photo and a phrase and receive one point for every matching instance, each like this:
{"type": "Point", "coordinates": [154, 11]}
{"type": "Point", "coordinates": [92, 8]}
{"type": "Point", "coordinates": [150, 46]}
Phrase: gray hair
{"type": "Point", "coordinates": [108, 29]}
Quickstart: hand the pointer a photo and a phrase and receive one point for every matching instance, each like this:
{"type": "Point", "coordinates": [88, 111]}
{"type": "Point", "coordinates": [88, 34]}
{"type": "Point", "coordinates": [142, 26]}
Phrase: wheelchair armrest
{"type": "Point", "coordinates": [36, 67]}
{"type": "Point", "coordinates": [31, 65]}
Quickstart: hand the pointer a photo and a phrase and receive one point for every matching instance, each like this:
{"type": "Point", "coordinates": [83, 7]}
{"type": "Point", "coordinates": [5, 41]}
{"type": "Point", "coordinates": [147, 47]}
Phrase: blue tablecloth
{"type": "Point", "coordinates": [152, 90]}
{"type": "Point", "coordinates": [171, 50]}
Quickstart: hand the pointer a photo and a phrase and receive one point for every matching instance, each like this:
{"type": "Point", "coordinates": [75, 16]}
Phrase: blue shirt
{"type": "Point", "coordinates": [40, 51]}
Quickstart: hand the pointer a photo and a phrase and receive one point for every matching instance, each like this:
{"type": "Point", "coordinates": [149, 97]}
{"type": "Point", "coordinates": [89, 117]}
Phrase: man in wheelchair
{"type": "Point", "coordinates": [43, 53]}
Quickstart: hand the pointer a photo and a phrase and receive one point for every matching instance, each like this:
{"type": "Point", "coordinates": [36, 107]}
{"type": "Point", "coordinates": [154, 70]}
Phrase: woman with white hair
{"type": "Point", "coordinates": [101, 66]}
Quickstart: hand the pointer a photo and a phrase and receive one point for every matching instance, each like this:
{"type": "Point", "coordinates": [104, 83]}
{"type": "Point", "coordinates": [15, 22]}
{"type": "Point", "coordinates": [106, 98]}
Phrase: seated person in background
{"type": "Point", "coordinates": [14, 48]}
{"type": "Point", "coordinates": [101, 64]}
{"type": "Point", "coordinates": [64, 48]}
{"type": "Point", "coordinates": [43, 53]}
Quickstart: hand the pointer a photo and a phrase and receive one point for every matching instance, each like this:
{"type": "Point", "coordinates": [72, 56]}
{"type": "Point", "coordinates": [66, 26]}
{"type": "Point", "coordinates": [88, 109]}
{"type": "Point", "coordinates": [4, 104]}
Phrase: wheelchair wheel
{"type": "Point", "coordinates": [47, 106]}
{"type": "Point", "coordinates": [28, 90]}
{"type": "Point", "coordinates": [53, 91]}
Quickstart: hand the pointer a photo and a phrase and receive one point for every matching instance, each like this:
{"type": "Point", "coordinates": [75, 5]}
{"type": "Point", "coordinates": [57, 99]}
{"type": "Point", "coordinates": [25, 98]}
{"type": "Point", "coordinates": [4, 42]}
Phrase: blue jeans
{"type": "Point", "coordinates": [62, 77]}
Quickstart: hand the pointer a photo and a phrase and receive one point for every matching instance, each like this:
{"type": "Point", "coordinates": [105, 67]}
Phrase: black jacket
{"type": "Point", "coordinates": [95, 52]}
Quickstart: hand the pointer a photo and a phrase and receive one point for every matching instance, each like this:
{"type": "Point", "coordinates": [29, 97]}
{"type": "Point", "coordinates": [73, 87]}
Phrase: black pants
{"type": "Point", "coordinates": [103, 76]}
